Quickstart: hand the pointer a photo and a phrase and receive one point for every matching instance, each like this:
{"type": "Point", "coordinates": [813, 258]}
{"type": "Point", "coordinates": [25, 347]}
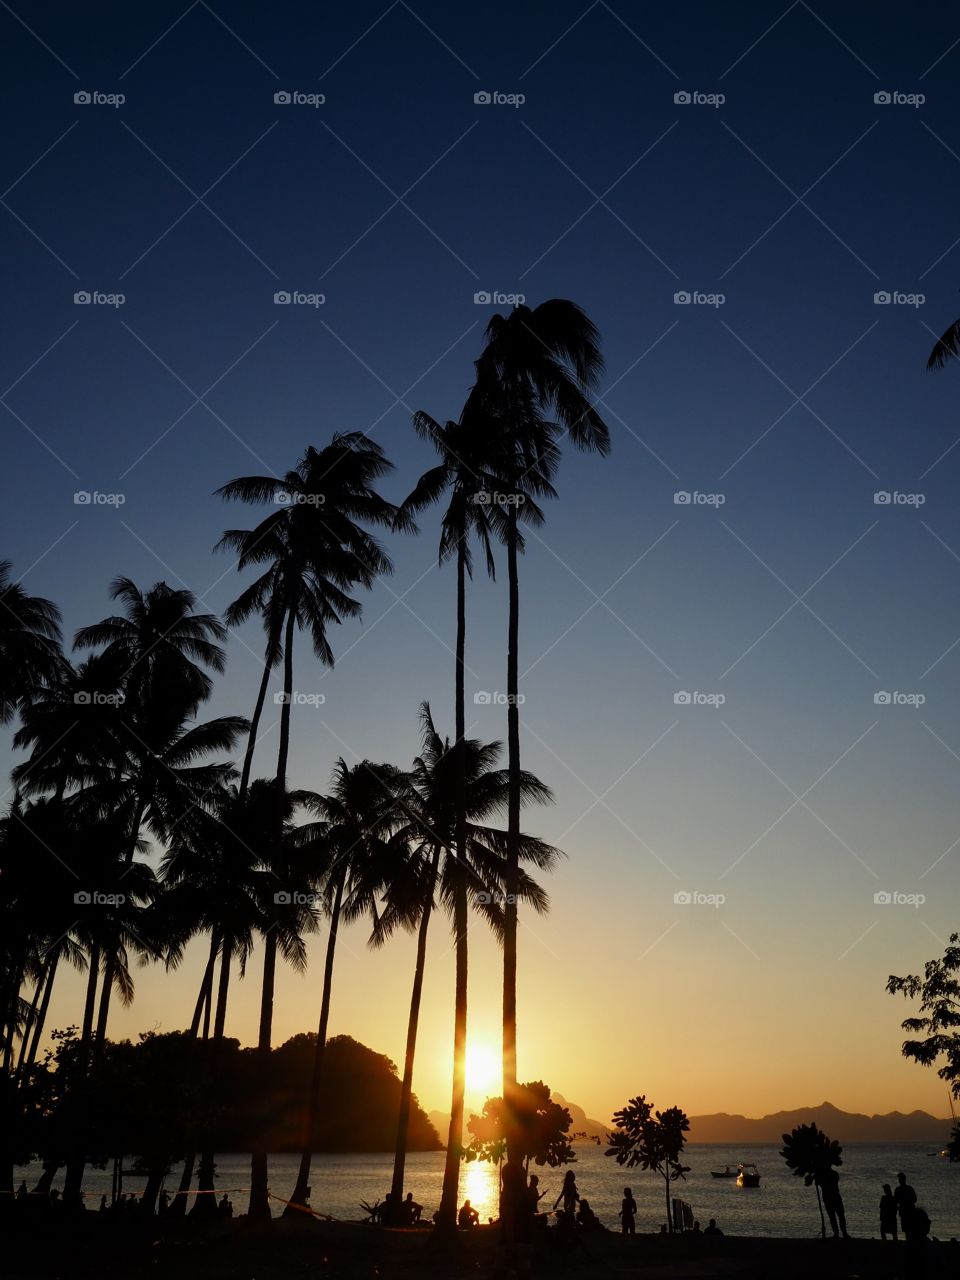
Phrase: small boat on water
{"type": "Point", "coordinates": [728, 1171]}
{"type": "Point", "coordinates": [748, 1175]}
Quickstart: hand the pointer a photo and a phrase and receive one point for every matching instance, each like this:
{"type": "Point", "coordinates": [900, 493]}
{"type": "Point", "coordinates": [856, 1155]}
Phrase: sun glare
{"type": "Point", "coordinates": [483, 1068]}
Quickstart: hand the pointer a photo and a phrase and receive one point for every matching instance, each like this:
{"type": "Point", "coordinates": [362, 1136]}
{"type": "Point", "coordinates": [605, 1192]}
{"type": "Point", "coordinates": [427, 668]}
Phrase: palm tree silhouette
{"type": "Point", "coordinates": [30, 654]}
{"type": "Point", "coordinates": [535, 362]}
{"type": "Point", "coordinates": [356, 819]}
{"type": "Point", "coordinates": [316, 550]}
{"type": "Point", "coordinates": [471, 871]}
{"type": "Point", "coordinates": [467, 470]}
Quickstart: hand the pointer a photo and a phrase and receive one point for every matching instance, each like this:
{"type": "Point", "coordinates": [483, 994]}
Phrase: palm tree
{"type": "Point", "coordinates": [535, 363]}
{"type": "Point", "coordinates": [946, 347]}
{"type": "Point", "coordinates": [30, 654]}
{"type": "Point", "coordinates": [316, 550]}
{"type": "Point", "coordinates": [357, 820]}
{"type": "Point", "coordinates": [431, 804]}
{"type": "Point", "coordinates": [466, 470]}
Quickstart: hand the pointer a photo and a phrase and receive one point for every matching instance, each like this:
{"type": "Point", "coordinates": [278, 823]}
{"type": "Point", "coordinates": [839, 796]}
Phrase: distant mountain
{"type": "Point", "coordinates": [845, 1126]}
{"type": "Point", "coordinates": [581, 1122]}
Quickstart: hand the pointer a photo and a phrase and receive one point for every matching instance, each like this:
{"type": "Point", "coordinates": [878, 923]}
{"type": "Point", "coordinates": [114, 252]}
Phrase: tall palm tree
{"type": "Point", "coordinates": [316, 550]}
{"type": "Point", "coordinates": [946, 347]}
{"type": "Point", "coordinates": [357, 819]}
{"type": "Point", "coordinates": [430, 801]}
{"type": "Point", "coordinates": [534, 378]}
{"type": "Point", "coordinates": [29, 644]}
{"type": "Point", "coordinates": [467, 471]}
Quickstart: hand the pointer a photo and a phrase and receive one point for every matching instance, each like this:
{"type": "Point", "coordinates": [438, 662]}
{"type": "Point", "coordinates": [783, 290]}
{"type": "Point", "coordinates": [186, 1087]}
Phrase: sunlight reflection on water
{"type": "Point", "coordinates": [479, 1185]}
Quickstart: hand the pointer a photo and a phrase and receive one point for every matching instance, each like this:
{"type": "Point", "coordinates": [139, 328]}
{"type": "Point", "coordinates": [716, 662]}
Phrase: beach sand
{"type": "Point", "coordinates": [96, 1247]}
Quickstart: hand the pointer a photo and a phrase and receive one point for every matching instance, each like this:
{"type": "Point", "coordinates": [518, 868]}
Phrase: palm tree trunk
{"type": "Point", "coordinates": [205, 1205]}
{"type": "Point", "coordinates": [666, 1184]}
{"type": "Point", "coordinates": [302, 1190]}
{"type": "Point", "coordinates": [109, 970]}
{"type": "Point", "coordinates": [42, 1016]}
{"type": "Point", "coordinates": [255, 721]}
{"type": "Point", "coordinates": [513, 838]}
{"type": "Point", "coordinates": [203, 999]}
{"type": "Point", "coordinates": [406, 1087]}
{"type": "Point", "coordinates": [451, 1169]}
{"type": "Point", "coordinates": [259, 1210]}
{"type": "Point", "coordinates": [823, 1225]}
{"type": "Point", "coordinates": [77, 1161]}
{"type": "Point", "coordinates": [29, 1022]}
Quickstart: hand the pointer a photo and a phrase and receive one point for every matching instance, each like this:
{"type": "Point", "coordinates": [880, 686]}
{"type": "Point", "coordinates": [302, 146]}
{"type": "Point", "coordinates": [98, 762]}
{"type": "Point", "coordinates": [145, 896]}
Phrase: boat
{"type": "Point", "coordinates": [748, 1175]}
{"type": "Point", "coordinates": [728, 1171]}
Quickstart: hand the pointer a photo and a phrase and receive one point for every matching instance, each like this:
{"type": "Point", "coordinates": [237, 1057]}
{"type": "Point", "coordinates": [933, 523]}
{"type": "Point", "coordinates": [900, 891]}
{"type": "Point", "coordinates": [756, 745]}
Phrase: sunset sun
{"type": "Point", "coordinates": [483, 1068]}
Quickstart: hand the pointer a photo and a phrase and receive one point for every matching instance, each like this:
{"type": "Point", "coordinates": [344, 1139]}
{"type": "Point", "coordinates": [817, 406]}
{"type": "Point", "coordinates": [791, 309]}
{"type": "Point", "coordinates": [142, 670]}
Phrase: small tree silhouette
{"type": "Point", "coordinates": [939, 994]}
{"type": "Point", "coordinates": [652, 1140]}
{"type": "Point", "coordinates": [542, 1128]}
{"type": "Point", "coordinates": [810, 1154]}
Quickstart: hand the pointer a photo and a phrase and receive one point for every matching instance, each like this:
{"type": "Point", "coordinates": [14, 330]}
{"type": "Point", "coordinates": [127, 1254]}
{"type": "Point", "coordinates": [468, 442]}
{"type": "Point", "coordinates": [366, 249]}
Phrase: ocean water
{"type": "Point", "coordinates": [780, 1206]}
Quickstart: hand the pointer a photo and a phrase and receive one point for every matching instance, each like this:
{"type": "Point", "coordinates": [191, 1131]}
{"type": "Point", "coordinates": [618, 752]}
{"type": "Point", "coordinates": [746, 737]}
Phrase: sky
{"type": "Point", "coordinates": [748, 698]}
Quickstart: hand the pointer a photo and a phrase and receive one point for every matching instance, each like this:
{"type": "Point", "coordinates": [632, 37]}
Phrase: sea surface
{"type": "Point", "coordinates": [780, 1206]}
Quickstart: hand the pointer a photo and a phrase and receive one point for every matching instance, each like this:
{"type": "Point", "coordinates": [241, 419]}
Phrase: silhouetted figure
{"type": "Point", "coordinates": [695, 1229]}
{"type": "Point", "coordinates": [534, 1195]}
{"type": "Point", "coordinates": [916, 1230]}
{"type": "Point", "coordinates": [628, 1213]}
{"type": "Point", "coordinates": [410, 1211]}
{"type": "Point", "coordinates": [587, 1220]}
{"type": "Point", "coordinates": [906, 1199]}
{"type": "Point", "coordinates": [568, 1194]}
{"type": "Point", "coordinates": [888, 1214]}
{"type": "Point", "coordinates": [164, 1203]}
{"type": "Point", "coordinates": [225, 1207]}
{"type": "Point", "coordinates": [712, 1229]}
{"type": "Point", "coordinates": [514, 1219]}
{"type": "Point", "coordinates": [103, 1204]}
{"type": "Point", "coordinates": [829, 1182]}
{"type": "Point", "coordinates": [566, 1230]}
{"type": "Point", "coordinates": [468, 1216]}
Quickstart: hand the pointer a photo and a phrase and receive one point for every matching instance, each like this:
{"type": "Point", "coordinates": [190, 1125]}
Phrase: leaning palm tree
{"type": "Point", "coordinates": [534, 379]}
{"type": "Point", "coordinates": [430, 801]}
{"type": "Point", "coordinates": [946, 347]}
{"type": "Point", "coordinates": [29, 644]}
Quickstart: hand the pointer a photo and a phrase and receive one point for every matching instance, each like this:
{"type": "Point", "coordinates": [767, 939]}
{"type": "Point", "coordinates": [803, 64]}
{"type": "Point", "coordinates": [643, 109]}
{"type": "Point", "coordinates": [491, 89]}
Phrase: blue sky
{"type": "Point", "coordinates": [796, 399]}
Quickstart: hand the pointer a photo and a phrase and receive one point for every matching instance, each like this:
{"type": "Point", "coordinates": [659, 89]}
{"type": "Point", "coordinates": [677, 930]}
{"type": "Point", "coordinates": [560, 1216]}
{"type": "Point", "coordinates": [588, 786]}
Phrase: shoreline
{"type": "Point", "coordinates": [90, 1247]}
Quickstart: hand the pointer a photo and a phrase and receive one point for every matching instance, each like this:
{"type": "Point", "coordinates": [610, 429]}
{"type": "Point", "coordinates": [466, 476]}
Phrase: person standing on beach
{"type": "Point", "coordinates": [888, 1214]}
{"type": "Point", "coordinates": [829, 1181]}
{"type": "Point", "coordinates": [568, 1194]}
{"type": "Point", "coordinates": [628, 1214]}
{"type": "Point", "coordinates": [905, 1198]}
